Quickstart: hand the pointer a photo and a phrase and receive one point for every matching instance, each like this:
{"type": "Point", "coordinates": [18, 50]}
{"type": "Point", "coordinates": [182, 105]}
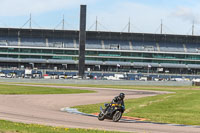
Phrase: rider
{"type": "Point", "coordinates": [117, 100]}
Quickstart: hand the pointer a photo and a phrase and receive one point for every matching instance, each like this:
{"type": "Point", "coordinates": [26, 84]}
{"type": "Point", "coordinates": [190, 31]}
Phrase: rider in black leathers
{"type": "Point", "coordinates": [117, 100]}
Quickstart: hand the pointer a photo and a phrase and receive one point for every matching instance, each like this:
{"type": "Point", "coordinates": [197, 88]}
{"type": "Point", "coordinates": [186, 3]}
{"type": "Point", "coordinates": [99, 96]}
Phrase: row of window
{"type": "Point", "coordinates": [97, 59]}
{"type": "Point", "coordinates": [98, 53]}
{"type": "Point", "coordinates": [39, 51]}
{"type": "Point", "coordinates": [101, 53]}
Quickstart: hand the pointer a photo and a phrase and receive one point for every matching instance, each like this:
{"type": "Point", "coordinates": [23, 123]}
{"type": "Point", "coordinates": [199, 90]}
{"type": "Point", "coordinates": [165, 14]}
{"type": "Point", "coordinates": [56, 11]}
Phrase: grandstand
{"type": "Point", "coordinates": [105, 51]}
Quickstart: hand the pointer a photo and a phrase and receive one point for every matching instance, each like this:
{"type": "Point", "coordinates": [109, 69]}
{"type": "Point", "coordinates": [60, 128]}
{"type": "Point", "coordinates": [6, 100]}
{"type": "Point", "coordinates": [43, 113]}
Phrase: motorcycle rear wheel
{"type": "Point", "coordinates": [117, 116]}
{"type": "Point", "coordinates": [101, 116]}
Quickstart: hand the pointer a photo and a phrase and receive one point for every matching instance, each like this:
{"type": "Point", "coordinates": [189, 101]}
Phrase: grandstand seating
{"type": "Point", "coordinates": [100, 44]}
{"type": "Point", "coordinates": [193, 48]}
{"type": "Point", "coordinates": [3, 43]}
{"type": "Point", "coordinates": [171, 47]}
{"type": "Point", "coordinates": [144, 46]}
{"type": "Point", "coordinates": [36, 42]}
{"type": "Point", "coordinates": [8, 41]}
{"type": "Point", "coordinates": [124, 45]}
{"type": "Point", "coordinates": [116, 44]}
{"type": "Point", "coordinates": [93, 44]}
{"type": "Point", "coordinates": [61, 43]}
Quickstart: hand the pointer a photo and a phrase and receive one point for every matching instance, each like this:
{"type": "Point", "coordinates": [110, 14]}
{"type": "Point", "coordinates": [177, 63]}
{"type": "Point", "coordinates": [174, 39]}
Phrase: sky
{"type": "Point", "coordinates": [145, 16]}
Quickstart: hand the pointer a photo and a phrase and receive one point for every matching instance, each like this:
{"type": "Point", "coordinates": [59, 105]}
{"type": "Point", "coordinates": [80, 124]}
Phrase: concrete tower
{"type": "Point", "coordinates": [82, 40]}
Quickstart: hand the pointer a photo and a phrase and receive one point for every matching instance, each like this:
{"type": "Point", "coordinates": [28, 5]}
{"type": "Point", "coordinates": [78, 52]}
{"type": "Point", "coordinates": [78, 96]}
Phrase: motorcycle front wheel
{"type": "Point", "coordinates": [117, 116]}
{"type": "Point", "coordinates": [101, 116]}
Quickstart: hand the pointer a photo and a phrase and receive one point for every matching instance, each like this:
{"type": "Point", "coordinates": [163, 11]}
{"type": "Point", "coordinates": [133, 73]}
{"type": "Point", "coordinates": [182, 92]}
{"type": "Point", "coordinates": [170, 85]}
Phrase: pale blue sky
{"type": "Point", "coordinates": [113, 15]}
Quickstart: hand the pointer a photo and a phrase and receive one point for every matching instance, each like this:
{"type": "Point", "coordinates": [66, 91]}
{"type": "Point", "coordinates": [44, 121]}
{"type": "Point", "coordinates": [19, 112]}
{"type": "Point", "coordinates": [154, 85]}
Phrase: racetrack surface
{"type": "Point", "coordinates": [45, 109]}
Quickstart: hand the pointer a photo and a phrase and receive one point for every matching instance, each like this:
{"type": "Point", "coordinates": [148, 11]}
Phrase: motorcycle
{"type": "Point", "coordinates": [112, 111]}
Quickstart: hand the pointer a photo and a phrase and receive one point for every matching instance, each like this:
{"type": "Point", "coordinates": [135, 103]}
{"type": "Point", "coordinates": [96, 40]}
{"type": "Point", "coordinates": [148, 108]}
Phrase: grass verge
{"type": "Point", "coordinates": [181, 107]}
{"type": "Point", "coordinates": [15, 89]}
{"type": "Point", "coordinates": [12, 127]}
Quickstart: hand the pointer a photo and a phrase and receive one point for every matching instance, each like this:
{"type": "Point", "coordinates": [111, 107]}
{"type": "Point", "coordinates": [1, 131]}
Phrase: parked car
{"type": "Point", "coordinates": [2, 75]}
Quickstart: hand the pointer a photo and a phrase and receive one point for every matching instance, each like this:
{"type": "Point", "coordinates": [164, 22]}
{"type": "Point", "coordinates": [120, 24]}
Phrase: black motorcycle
{"type": "Point", "coordinates": [112, 111]}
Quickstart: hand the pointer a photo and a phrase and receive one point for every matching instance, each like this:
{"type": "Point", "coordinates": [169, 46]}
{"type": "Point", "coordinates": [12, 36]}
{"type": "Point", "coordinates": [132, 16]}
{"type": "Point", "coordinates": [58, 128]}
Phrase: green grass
{"type": "Point", "coordinates": [180, 107]}
{"type": "Point", "coordinates": [16, 90]}
{"type": "Point", "coordinates": [12, 127]}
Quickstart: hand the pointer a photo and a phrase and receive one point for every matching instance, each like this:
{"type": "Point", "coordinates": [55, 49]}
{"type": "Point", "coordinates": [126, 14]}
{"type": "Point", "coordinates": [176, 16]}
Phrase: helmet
{"type": "Point", "coordinates": [122, 95]}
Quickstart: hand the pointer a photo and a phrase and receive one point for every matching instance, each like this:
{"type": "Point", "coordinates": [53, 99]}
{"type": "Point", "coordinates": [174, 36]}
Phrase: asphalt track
{"type": "Point", "coordinates": [45, 109]}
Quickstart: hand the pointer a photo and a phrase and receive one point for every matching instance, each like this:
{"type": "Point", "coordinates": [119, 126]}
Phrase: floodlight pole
{"type": "Point", "coordinates": [193, 28]}
{"type": "Point", "coordinates": [161, 27]}
{"type": "Point", "coordinates": [96, 28]}
{"type": "Point", "coordinates": [129, 25]}
{"type": "Point", "coordinates": [30, 25]}
{"type": "Point", "coordinates": [63, 22]}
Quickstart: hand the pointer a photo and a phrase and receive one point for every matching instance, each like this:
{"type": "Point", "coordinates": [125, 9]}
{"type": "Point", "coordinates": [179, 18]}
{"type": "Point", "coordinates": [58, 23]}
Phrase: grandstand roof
{"type": "Point", "coordinates": [146, 37]}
